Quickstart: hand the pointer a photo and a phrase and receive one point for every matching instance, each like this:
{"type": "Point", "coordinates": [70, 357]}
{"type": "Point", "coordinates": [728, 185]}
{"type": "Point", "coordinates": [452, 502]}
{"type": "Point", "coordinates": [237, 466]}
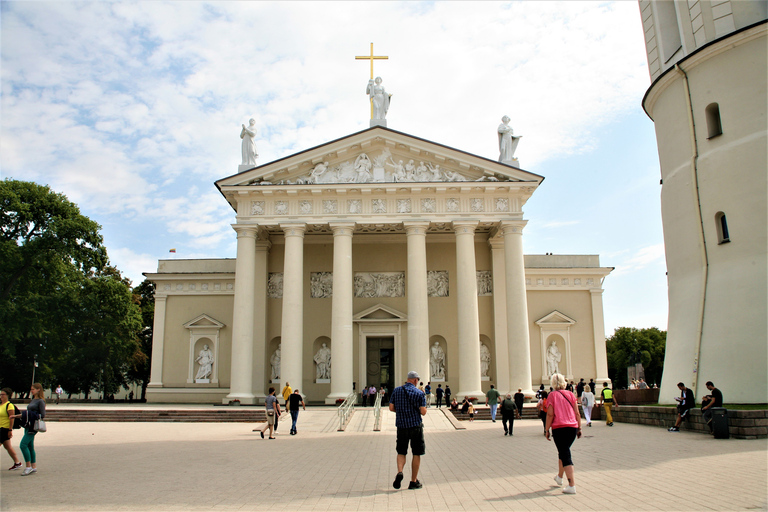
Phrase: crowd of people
{"type": "Point", "coordinates": [558, 410]}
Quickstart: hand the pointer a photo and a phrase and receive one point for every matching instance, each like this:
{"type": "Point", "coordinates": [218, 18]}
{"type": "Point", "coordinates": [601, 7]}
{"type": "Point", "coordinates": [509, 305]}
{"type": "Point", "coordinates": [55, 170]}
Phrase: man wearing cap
{"type": "Point", "coordinates": [409, 405]}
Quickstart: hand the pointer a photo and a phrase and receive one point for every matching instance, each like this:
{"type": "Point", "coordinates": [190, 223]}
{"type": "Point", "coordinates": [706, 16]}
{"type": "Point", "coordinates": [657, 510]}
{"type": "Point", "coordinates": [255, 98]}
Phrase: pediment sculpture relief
{"type": "Point", "coordinates": [382, 168]}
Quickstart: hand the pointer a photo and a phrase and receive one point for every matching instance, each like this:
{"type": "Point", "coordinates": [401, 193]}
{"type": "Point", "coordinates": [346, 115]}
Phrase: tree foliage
{"type": "Point", "coordinates": [629, 345]}
{"type": "Point", "coordinates": [60, 302]}
{"type": "Point", "coordinates": [141, 363]}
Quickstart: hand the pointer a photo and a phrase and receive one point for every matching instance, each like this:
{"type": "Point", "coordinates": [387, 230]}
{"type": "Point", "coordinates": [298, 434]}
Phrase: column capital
{"type": "Point", "coordinates": [513, 227]}
{"type": "Point", "coordinates": [416, 227]}
{"type": "Point", "coordinates": [596, 291]}
{"type": "Point", "coordinates": [342, 228]}
{"type": "Point", "coordinates": [294, 229]}
{"type": "Point", "coordinates": [246, 230]}
{"type": "Point", "coordinates": [263, 245]}
{"type": "Point", "coordinates": [464, 226]}
{"type": "Point", "coordinates": [496, 242]}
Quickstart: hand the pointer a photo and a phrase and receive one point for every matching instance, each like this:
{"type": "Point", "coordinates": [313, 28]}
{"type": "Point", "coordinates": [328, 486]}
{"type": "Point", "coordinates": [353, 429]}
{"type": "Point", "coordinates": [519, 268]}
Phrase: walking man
{"type": "Point", "coordinates": [409, 405]}
{"type": "Point", "coordinates": [439, 395]}
{"type": "Point", "coordinates": [519, 399]}
{"type": "Point", "coordinates": [294, 401]}
{"type": "Point", "coordinates": [428, 392]}
{"type": "Point", "coordinates": [59, 391]}
{"type": "Point", "coordinates": [365, 395]}
{"type": "Point", "coordinates": [492, 399]}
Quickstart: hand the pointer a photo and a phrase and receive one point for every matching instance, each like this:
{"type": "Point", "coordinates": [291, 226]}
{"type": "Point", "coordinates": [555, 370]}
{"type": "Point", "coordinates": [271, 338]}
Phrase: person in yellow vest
{"type": "Point", "coordinates": [6, 426]}
{"type": "Point", "coordinates": [607, 401]}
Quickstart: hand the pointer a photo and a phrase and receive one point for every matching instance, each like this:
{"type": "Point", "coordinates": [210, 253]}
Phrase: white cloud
{"type": "Point", "coordinates": [640, 259]}
{"type": "Point", "coordinates": [133, 109]}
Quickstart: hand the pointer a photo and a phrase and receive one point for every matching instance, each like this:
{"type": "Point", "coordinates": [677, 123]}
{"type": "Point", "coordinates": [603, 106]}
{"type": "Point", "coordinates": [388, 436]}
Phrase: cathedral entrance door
{"type": "Point", "coordinates": [380, 363]}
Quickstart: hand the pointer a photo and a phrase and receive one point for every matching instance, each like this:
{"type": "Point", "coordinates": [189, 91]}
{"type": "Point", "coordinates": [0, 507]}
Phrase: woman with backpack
{"type": "Point", "coordinates": [6, 426]}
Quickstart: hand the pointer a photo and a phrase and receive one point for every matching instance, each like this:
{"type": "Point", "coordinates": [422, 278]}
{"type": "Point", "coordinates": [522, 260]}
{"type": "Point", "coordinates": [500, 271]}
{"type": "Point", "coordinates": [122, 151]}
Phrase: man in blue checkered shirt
{"type": "Point", "coordinates": [409, 404]}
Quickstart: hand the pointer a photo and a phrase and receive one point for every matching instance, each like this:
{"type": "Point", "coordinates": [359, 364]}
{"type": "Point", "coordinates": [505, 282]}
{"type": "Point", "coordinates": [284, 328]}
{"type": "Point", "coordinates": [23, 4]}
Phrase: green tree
{"type": "Point", "coordinates": [38, 226]}
{"type": "Point", "coordinates": [60, 304]}
{"type": "Point", "coordinates": [140, 368]}
{"type": "Point", "coordinates": [629, 344]}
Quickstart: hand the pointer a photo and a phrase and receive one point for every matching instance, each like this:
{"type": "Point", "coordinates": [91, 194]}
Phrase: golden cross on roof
{"type": "Point", "coordinates": [372, 57]}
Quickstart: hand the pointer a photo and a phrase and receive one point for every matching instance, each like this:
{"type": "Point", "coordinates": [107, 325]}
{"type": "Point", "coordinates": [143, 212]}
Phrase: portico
{"type": "Point", "coordinates": [346, 243]}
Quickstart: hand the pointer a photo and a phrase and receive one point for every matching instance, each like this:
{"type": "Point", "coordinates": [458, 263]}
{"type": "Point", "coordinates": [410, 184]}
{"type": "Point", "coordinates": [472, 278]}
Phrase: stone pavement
{"type": "Point", "coordinates": [226, 466]}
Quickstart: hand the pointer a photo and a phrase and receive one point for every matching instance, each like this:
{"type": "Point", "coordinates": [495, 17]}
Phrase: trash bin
{"type": "Point", "coordinates": [720, 422]}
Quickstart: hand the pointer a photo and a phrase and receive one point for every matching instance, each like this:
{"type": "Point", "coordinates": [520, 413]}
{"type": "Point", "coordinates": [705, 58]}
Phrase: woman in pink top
{"type": "Point", "coordinates": [565, 421]}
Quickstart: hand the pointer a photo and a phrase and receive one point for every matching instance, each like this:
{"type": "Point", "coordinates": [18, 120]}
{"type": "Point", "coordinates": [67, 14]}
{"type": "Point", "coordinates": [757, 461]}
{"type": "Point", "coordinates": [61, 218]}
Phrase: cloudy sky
{"type": "Point", "coordinates": [133, 110]}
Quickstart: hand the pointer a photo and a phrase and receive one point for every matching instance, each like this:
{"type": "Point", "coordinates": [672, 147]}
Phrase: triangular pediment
{"type": "Point", "coordinates": [203, 321]}
{"type": "Point", "coordinates": [380, 313]}
{"type": "Point", "coordinates": [555, 318]}
{"type": "Point", "coordinates": [378, 155]}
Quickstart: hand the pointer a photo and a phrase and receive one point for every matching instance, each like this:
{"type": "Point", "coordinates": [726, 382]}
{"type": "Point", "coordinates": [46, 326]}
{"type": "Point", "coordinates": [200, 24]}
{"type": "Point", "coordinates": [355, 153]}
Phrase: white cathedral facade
{"type": "Point", "coordinates": [364, 258]}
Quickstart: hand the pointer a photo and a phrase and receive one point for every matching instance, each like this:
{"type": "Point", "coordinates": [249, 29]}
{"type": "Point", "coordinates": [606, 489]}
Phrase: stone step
{"type": "Point", "coordinates": [227, 415]}
{"type": "Point", "coordinates": [484, 413]}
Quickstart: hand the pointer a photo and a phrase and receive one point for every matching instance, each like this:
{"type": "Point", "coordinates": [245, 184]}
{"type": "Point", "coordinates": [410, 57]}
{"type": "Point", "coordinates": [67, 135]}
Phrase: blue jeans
{"type": "Point", "coordinates": [294, 417]}
{"type": "Point", "coordinates": [493, 411]}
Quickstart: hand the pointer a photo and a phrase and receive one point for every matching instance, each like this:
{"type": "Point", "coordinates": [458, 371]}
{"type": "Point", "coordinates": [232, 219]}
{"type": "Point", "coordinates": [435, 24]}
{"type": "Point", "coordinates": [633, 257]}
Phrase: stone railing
{"type": "Point", "coordinates": [741, 424]}
{"type": "Point", "coordinates": [377, 413]}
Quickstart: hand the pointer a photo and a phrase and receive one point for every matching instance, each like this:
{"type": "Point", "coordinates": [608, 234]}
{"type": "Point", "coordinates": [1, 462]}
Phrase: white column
{"type": "Point", "coordinates": [292, 332]}
{"type": "Point", "coordinates": [241, 370]}
{"type": "Point", "coordinates": [500, 316]}
{"type": "Point", "coordinates": [158, 338]}
{"type": "Point", "coordinates": [469, 323]}
{"type": "Point", "coordinates": [598, 326]}
{"type": "Point", "coordinates": [418, 309]}
{"type": "Point", "coordinates": [260, 319]}
{"type": "Point", "coordinates": [518, 335]}
{"type": "Point", "coordinates": [342, 365]}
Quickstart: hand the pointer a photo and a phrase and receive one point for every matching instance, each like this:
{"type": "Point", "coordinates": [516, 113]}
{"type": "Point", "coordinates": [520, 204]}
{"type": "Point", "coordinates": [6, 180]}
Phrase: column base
{"type": "Point", "coordinates": [331, 399]}
{"type": "Point", "coordinates": [245, 398]}
{"type": "Point", "coordinates": [476, 394]}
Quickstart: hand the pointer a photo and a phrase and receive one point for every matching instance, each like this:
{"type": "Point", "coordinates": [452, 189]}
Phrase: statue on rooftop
{"type": "Point", "coordinates": [379, 98]}
{"type": "Point", "coordinates": [249, 143]}
{"type": "Point", "coordinates": [507, 141]}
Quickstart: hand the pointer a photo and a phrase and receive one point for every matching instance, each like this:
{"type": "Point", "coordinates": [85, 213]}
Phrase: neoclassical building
{"type": "Point", "coordinates": [364, 258]}
{"type": "Point", "coordinates": [707, 60]}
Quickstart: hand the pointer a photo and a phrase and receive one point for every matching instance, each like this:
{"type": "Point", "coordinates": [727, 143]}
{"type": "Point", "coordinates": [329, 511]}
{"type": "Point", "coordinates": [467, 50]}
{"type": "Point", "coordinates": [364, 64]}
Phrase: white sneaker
{"type": "Point", "coordinates": [559, 480]}
{"type": "Point", "coordinates": [28, 471]}
{"type": "Point", "coordinates": [569, 489]}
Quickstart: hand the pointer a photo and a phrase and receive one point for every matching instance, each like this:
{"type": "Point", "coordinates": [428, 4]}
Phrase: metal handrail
{"type": "Point", "coordinates": [346, 409]}
{"type": "Point", "coordinates": [377, 413]}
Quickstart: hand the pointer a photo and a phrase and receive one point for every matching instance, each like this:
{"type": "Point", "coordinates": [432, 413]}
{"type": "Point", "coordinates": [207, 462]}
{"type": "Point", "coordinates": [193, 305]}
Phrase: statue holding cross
{"type": "Point", "coordinates": [378, 95]}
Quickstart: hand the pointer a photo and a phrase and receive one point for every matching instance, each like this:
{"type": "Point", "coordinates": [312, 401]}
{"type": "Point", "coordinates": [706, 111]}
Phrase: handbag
{"type": "Point", "coordinates": [40, 426]}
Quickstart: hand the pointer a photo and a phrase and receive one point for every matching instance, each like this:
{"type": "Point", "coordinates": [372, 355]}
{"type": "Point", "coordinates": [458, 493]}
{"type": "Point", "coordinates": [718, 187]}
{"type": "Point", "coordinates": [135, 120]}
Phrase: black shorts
{"type": "Point", "coordinates": [3, 435]}
{"type": "Point", "coordinates": [415, 436]}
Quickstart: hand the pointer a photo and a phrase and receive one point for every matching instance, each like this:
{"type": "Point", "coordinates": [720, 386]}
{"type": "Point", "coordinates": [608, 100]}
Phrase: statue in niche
{"type": "Point", "coordinates": [553, 359]}
{"type": "Point", "coordinates": [507, 141]}
{"type": "Point", "coordinates": [485, 360]}
{"type": "Point", "coordinates": [275, 362]}
{"type": "Point", "coordinates": [205, 360]}
{"type": "Point", "coordinates": [323, 361]}
{"type": "Point", "coordinates": [437, 361]}
{"type": "Point", "coordinates": [363, 169]}
{"type": "Point", "coordinates": [379, 98]}
{"type": "Point", "coordinates": [249, 143]}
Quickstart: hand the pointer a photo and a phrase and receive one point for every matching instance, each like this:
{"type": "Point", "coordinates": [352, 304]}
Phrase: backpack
{"type": "Point", "coordinates": [16, 424]}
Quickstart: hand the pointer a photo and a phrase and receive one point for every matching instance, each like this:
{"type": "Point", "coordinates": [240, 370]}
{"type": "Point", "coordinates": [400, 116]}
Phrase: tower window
{"type": "Point", "coordinates": [714, 128]}
{"type": "Point", "coordinates": [722, 228]}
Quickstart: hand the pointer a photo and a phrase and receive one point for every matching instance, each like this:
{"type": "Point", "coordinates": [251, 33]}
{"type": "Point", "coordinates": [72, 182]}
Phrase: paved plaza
{"type": "Point", "coordinates": [226, 466]}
